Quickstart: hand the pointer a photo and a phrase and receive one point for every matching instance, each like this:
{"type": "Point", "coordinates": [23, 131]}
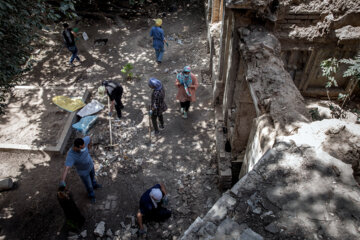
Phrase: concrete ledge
{"type": "Point", "coordinates": [65, 135]}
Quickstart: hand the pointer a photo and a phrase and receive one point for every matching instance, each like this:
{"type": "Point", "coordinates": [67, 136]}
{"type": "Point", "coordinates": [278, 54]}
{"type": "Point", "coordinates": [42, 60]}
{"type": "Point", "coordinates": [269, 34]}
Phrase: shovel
{"type": "Point", "coordinates": [111, 142]}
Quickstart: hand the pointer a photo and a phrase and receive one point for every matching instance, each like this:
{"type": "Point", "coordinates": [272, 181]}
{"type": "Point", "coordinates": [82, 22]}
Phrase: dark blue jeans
{"type": "Point", "coordinates": [73, 50]}
{"type": "Point", "coordinates": [159, 53]}
{"type": "Point", "coordinates": [90, 182]}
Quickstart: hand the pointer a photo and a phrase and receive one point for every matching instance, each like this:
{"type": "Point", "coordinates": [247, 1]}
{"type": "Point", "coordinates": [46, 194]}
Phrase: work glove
{"type": "Point", "coordinates": [142, 231]}
{"type": "Point", "coordinates": [110, 114]}
{"type": "Point", "coordinates": [62, 184]}
{"type": "Point", "coordinates": [165, 200]}
{"type": "Point", "coordinates": [150, 112]}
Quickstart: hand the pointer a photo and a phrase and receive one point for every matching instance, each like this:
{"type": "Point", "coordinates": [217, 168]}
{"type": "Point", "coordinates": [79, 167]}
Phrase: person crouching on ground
{"type": "Point", "coordinates": [79, 156]}
{"type": "Point", "coordinates": [151, 206]}
{"type": "Point", "coordinates": [187, 84]}
{"type": "Point", "coordinates": [158, 39]}
{"type": "Point", "coordinates": [158, 105]}
{"type": "Point", "coordinates": [69, 38]}
{"type": "Point", "coordinates": [114, 90]}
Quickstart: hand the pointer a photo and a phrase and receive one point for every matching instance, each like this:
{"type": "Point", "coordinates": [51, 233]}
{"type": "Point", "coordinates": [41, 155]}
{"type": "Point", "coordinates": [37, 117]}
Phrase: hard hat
{"type": "Point", "coordinates": [158, 22]}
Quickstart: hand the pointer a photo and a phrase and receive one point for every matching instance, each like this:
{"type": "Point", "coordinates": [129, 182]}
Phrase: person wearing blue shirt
{"type": "Point", "coordinates": [151, 206]}
{"type": "Point", "coordinates": [79, 157]}
{"type": "Point", "coordinates": [158, 39]}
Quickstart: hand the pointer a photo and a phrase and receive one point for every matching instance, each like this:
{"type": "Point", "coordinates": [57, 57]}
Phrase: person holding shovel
{"type": "Point", "coordinates": [157, 33]}
{"type": "Point", "coordinates": [69, 38]}
{"type": "Point", "coordinates": [158, 105]}
{"type": "Point", "coordinates": [187, 84]}
{"type": "Point", "coordinates": [114, 90]}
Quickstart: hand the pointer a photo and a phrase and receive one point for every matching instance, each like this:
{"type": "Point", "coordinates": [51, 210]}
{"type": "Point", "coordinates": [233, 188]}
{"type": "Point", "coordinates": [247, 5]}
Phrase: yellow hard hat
{"type": "Point", "coordinates": [158, 22]}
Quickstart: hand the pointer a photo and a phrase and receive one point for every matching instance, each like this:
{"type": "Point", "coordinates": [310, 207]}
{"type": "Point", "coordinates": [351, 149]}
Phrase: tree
{"type": "Point", "coordinates": [18, 20]}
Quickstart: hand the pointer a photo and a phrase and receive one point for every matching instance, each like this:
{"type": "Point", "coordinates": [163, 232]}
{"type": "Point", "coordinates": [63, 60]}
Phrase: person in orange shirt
{"type": "Point", "coordinates": [187, 84]}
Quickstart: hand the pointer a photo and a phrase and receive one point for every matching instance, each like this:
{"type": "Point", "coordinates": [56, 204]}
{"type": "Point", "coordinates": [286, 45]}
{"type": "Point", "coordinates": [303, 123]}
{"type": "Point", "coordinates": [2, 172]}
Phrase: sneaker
{"type": "Point", "coordinates": [97, 186]}
{"type": "Point", "coordinates": [155, 133]}
{"type": "Point", "coordinates": [185, 115]}
{"type": "Point", "coordinates": [71, 64]}
{"type": "Point", "coordinates": [161, 127]}
{"type": "Point", "coordinates": [93, 200]}
{"type": "Point", "coordinates": [182, 110]}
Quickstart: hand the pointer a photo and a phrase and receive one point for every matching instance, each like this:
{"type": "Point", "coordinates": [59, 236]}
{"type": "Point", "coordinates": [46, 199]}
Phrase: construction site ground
{"type": "Point", "coordinates": [182, 156]}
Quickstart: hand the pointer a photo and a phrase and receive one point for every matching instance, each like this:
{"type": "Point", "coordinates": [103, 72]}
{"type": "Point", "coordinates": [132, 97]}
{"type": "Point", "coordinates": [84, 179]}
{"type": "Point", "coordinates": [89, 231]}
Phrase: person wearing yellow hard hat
{"type": "Point", "coordinates": [157, 33]}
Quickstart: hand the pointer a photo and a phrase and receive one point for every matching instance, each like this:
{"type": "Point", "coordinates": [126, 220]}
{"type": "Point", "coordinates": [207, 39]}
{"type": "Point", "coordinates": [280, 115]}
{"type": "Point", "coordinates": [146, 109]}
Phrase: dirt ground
{"type": "Point", "coordinates": [182, 157]}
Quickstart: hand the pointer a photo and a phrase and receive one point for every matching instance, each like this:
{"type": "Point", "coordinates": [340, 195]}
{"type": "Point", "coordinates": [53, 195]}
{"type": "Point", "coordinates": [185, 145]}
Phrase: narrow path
{"type": "Point", "coordinates": [183, 156]}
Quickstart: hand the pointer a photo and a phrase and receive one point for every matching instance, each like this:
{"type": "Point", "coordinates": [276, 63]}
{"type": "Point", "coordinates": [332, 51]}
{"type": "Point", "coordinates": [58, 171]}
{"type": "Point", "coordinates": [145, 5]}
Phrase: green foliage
{"type": "Point", "coordinates": [353, 69]}
{"type": "Point", "coordinates": [329, 68]}
{"type": "Point", "coordinates": [18, 21]}
{"type": "Point", "coordinates": [315, 115]}
{"type": "Point", "coordinates": [127, 71]}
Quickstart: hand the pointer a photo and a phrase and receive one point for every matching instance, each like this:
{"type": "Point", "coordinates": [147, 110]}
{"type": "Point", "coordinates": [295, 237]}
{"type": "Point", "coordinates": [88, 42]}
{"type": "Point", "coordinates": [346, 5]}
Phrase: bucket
{"type": "Point", "coordinates": [6, 184]}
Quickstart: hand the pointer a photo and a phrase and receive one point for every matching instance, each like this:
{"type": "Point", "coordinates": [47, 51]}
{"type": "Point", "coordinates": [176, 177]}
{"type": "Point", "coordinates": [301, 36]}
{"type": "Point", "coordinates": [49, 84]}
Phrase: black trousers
{"type": "Point", "coordinates": [158, 215]}
{"type": "Point", "coordinates": [118, 105]}
{"type": "Point", "coordinates": [185, 105]}
{"type": "Point", "coordinates": [154, 118]}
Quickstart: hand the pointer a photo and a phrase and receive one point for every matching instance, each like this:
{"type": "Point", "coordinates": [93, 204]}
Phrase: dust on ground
{"type": "Point", "coordinates": [183, 156]}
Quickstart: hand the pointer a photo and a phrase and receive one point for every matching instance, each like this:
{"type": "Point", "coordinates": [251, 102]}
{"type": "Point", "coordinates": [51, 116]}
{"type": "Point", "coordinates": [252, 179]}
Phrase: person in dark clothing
{"type": "Point", "coordinates": [114, 90]}
{"type": "Point", "coordinates": [158, 105]}
{"type": "Point", "coordinates": [74, 219]}
{"type": "Point", "coordinates": [69, 38]}
{"type": "Point", "coordinates": [151, 206]}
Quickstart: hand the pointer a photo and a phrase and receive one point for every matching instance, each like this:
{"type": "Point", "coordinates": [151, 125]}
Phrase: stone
{"type": "Point", "coordinates": [117, 233]}
{"type": "Point", "coordinates": [220, 209]}
{"type": "Point", "coordinates": [249, 234]}
{"type": "Point", "coordinates": [133, 231]}
{"type": "Point", "coordinates": [229, 227]}
{"type": "Point", "coordinates": [73, 237]}
{"type": "Point", "coordinates": [109, 233]}
{"type": "Point", "coordinates": [166, 70]}
{"type": "Point", "coordinates": [122, 224]}
{"type": "Point", "coordinates": [83, 234]}
{"type": "Point", "coordinates": [166, 234]}
{"type": "Point", "coordinates": [100, 229]}
{"type": "Point", "coordinates": [107, 205]}
{"type": "Point", "coordinates": [194, 227]}
{"type": "Point", "coordinates": [207, 230]}
{"type": "Point", "coordinates": [272, 228]}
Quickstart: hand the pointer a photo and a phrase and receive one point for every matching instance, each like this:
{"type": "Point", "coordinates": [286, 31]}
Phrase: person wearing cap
{"type": "Point", "coordinates": [187, 84]}
{"type": "Point", "coordinates": [114, 90]}
{"type": "Point", "coordinates": [157, 33]}
{"type": "Point", "coordinates": [69, 37]}
{"type": "Point", "coordinates": [151, 206]}
{"type": "Point", "coordinates": [79, 156]}
{"type": "Point", "coordinates": [158, 105]}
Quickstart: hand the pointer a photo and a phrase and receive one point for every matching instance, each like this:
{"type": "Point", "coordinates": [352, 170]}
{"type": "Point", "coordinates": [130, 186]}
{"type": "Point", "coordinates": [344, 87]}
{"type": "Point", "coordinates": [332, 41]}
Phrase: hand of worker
{"type": "Point", "coordinates": [165, 200]}
{"type": "Point", "coordinates": [62, 184]}
{"type": "Point", "coordinates": [150, 112]}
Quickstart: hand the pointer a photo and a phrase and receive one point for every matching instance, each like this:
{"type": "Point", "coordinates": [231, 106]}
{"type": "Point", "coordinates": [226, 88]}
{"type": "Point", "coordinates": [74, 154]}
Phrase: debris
{"type": "Point", "coordinates": [166, 70]}
{"type": "Point", "coordinates": [122, 225]}
{"type": "Point", "coordinates": [249, 234]}
{"type": "Point", "coordinates": [179, 42]}
{"type": "Point", "coordinates": [83, 234]}
{"type": "Point", "coordinates": [269, 213]}
{"type": "Point", "coordinates": [100, 229]}
{"type": "Point", "coordinates": [109, 233]}
{"type": "Point", "coordinates": [117, 233]}
{"type": "Point", "coordinates": [272, 228]}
